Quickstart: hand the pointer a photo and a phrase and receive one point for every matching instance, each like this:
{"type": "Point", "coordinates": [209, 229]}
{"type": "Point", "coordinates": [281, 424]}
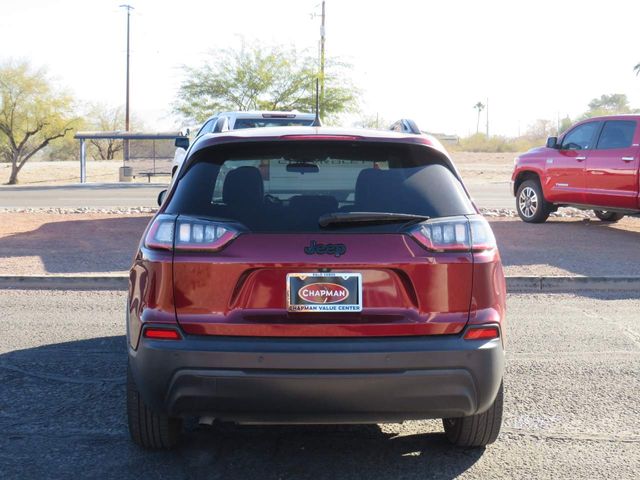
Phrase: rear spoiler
{"type": "Point", "coordinates": [405, 125]}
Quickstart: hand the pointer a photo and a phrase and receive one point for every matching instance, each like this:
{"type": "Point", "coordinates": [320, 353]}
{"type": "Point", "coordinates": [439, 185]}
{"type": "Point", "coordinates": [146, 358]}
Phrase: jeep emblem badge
{"type": "Point", "coordinates": [337, 249]}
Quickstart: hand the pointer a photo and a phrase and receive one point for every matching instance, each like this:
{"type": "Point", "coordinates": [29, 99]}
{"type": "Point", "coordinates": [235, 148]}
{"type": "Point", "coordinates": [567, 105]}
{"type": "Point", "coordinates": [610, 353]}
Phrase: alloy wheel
{"type": "Point", "coordinates": [528, 202]}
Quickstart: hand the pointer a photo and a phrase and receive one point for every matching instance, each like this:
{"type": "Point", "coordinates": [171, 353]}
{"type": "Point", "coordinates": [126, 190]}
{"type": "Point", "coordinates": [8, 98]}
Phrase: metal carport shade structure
{"type": "Point", "coordinates": [115, 135]}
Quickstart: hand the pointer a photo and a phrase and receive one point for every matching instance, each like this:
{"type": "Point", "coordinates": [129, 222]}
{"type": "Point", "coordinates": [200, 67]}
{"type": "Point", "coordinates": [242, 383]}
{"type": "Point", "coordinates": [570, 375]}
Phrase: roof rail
{"type": "Point", "coordinates": [405, 125]}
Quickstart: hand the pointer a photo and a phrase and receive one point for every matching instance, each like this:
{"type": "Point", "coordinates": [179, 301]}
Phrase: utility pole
{"type": "Point", "coordinates": [322, 62]}
{"type": "Point", "coordinates": [487, 117]}
{"type": "Point", "coordinates": [126, 108]}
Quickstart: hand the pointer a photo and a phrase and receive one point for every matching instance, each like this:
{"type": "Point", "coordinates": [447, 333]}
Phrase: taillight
{"type": "Point", "coordinates": [191, 234]}
{"type": "Point", "coordinates": [482, 237]}
{"type": "Point", "coordinates": [482, 333]}
{"type": "Point", "coordinates": [157, 333]}
{"type": "Point", "coordinates": [455, 234]}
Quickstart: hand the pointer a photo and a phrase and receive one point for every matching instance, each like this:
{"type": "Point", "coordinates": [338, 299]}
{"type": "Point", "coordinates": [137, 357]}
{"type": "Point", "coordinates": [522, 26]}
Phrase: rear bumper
{"type": "Point", "coordinates": [268, 380]}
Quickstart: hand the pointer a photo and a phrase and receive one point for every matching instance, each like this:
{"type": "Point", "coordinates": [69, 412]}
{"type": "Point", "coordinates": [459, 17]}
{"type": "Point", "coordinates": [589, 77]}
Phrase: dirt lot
{"type": "Point", "coordinates": [484, 167]}
{"type": "Point", "coordinates": [56, 173]}
{"type": "Point", "coordinates": [474, 167]}
{"type": "Point", "coordinates": [49, 243]}
{"type": "Point", "coordinates": [37, 243]}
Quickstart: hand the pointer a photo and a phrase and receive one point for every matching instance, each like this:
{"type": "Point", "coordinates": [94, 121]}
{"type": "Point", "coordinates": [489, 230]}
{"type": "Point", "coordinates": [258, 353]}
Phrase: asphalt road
{"type": "Point", "coordinates": [114, 195]}
{"type": "Point", "coordinates": [572, 404]}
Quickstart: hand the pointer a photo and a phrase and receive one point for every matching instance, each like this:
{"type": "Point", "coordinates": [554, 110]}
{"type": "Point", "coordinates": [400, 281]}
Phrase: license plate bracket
{"type": "Point", "coordinates": [325, 292]}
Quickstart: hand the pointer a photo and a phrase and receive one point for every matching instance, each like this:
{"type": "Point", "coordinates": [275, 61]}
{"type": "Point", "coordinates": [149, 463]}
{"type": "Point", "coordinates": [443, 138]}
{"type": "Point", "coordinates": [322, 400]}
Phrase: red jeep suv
{"type": "Point", "coordinates": [316, 275]}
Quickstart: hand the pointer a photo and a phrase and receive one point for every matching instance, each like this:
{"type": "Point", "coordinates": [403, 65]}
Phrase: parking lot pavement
{"type": "Point", "coordinates": [572, 405]}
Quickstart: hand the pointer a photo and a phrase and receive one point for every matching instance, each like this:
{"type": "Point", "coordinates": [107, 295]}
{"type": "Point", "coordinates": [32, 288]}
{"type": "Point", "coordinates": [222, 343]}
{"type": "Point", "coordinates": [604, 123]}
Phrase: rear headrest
{"type": "Point", "coordinates": [243, 186]}
{"type": "Point", "coordinates": [369, 179]}
{"type": "Point", "coordinates": [374, 188]}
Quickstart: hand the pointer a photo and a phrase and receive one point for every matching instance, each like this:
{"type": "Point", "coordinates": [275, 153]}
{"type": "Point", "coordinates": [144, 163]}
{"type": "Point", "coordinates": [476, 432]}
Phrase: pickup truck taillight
{"type": "Point", "coordinates": [455, 234]}
{"type": "Point", "coordinates": [180, 233]}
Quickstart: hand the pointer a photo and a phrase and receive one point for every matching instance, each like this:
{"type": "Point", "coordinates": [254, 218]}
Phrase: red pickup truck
{"type": "Point", "coordinates": [593, 165]}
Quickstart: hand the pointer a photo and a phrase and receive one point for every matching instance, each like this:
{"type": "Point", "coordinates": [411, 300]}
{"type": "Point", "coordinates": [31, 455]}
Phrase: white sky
{"type": "Point", "coordinates": [426, 60]}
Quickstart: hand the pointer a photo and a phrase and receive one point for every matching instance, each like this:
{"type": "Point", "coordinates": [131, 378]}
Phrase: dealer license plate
{"type": "Point", "coordinates": [324, 292]}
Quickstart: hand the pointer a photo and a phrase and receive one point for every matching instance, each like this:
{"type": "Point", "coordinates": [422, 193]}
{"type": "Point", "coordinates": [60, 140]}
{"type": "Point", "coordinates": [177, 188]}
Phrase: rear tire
{"type": "Point", "coordinates": [147, 428]}
{"type": "Point", "coordinates": [477, 430]}
{"type": "Point", "coordinates": [530, 203]}
{"type": "Point", "coordinates": [606, 216]}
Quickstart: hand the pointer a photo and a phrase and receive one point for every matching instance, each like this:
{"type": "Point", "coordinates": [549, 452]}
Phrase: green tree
{"type": "Point", "coordinates": [103, 118]}
{"type": "Point", "coordinates": [32, 114]}
{"type": "Point", "coordinates": [611, 104]}
{"type": "Point", "coordinates": [65, 148]}
{"type": "Point", "coordinates": [478, 106]}
{"type": "Point", "coordinates": [565, 123]}
{"type": "Point", "coordinates": [262, 78]}
{"type": "Point", "coordinates": [540, 130]}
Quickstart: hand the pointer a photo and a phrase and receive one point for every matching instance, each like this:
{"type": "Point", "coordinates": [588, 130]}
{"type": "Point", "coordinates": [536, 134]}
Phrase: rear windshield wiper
{"type": "Point", "coordinates": [345, 218]}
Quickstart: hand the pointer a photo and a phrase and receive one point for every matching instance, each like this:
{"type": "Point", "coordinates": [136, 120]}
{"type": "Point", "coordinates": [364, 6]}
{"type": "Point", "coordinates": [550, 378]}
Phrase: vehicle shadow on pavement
{"type": "Point", "coordinates": [62, 414]}
{"type": "Point", "coordinates": [73, 246]}
{"type": "Point", "coordinates": [581, 247]}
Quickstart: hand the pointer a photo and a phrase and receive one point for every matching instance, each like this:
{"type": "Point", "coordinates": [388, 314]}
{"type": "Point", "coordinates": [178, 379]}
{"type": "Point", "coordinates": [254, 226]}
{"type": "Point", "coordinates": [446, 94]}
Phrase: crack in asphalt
{"type": "Point", "coordinates": [63, 378]}
{"type": "Point", "coordinates": [558, 435]}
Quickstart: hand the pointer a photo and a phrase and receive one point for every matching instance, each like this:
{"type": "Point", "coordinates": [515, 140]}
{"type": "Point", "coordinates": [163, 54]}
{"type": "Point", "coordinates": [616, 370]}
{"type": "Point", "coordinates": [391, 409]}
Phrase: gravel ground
{"type": "Point", "coordinates": [571, 408]}
{"type": "Point", "coordinates": [86, 240]}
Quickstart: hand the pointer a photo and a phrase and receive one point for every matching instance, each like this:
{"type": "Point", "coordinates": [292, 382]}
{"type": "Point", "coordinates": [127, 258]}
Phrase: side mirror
{"type": "Point", "coordinates": [182, 142]}
{"type": "Point", "coordinates": [552, 142]}
{"type": "Point", "coordinates": [161, 196]}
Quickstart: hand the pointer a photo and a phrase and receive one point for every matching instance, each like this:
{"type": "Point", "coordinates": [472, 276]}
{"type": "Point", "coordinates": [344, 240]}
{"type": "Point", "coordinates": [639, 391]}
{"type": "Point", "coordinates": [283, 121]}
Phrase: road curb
{"type": "Point", "coordinates": [64, 282]}
{"type": "Point", "coordinates": [515, 284]}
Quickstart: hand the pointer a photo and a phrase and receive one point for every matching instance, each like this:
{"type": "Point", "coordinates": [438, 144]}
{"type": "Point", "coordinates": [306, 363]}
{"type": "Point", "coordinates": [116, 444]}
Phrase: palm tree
{"type": "Point", "coordinates": [478, 106]}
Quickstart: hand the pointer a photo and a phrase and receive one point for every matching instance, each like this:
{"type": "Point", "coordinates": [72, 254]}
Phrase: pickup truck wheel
{"type": "Point", "coordinates": [530, 203]}
{"type": "Point", "coordinates": [606, 216]}
{"type": "Point", "coordinates": [147, 428]}
{"type": "Point", "coordinates": [477, 430]}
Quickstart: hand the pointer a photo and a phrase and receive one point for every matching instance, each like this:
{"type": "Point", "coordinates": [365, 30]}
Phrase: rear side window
{"type": "Point", "coordinates": [581, 137]}
{"type": "Point", "coordinates": [207, 127]}
{"type": "Point", "coordinates": [284, 187]}
{"type": "Point", "coordinates": [617, 134]}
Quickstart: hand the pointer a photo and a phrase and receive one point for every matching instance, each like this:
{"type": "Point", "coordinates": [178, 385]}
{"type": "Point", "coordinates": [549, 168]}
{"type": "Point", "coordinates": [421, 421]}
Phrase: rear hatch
{"type": "Point", "coordinates": [320, 238]}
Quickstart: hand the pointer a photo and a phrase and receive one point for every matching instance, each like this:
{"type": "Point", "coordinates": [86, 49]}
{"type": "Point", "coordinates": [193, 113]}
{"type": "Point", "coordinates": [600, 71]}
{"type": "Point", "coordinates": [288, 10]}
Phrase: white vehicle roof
{"type": "Point", "coordinates": [262, 114]}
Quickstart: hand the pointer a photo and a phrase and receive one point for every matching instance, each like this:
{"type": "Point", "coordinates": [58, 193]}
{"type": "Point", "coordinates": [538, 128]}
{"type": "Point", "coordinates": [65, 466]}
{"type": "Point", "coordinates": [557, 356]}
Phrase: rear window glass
{"type": "Point", "coordinates": [242, 123]}
{"type": "Point", "coordinates": [617, 134]}
{"type": "Point", "coordinates": [288, 186]}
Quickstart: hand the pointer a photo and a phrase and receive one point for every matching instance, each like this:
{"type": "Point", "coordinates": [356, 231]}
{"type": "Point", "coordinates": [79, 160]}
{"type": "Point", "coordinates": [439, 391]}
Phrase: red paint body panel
{"type": "Point", "coordinates": [150, 292]}
{"type": "Point", "coordinates": [611, 181]}
{"type": "Point", "coordinates": [406, 290]}
{"type": "Point", "coordinates": [605, 178]}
